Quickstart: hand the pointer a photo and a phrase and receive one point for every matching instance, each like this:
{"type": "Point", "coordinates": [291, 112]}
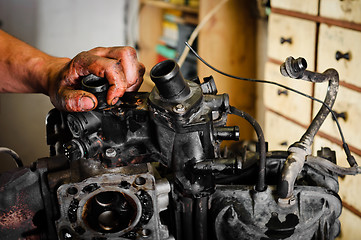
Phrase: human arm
{"type": "Point", "coordinates": [24, 69]}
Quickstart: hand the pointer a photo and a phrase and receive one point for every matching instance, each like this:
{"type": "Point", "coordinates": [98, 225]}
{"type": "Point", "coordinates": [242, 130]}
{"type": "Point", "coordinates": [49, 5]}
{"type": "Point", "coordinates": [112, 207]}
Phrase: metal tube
{"type": "Point", "coordinates": [222, 165]}
{"type": "Point", "coordinates": [201, 225]}
{"type": "Point", "coordinates": [322, 162]}
{"type": "Point", "coordinates": [187, 218]}
{"type": "Point", "coordinates": [299, 150]}
{"type": "Point", "coordinates": [330, 75]}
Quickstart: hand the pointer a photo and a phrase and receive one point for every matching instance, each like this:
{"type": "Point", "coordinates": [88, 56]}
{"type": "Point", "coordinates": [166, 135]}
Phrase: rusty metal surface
{"type": "Point", "coordinates": [21, 205]}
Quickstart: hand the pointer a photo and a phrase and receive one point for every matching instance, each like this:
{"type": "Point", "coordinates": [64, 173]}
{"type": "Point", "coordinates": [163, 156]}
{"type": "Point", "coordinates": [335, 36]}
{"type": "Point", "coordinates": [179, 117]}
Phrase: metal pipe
{"type": "Point", "coordinates": [222, 165]}
{"type": "Point", "coordinates": [201, 218]}
{"type": "Point", "coordinates": [299, 150]}
{"type": "Point", "coordinates": [324, 163]}
{"type": "Point", "coordinates": [330, 75]}
{"type": "Point", "coordinates": [187, 218]}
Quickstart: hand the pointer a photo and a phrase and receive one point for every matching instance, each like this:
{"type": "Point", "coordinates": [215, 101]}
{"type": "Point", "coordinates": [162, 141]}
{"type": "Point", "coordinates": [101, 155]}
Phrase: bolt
{"type": "Point", "coordinates": [140, 181]}
{"type": "Point", "coordinates": [67, 236]}
{"type": "Point", "coordinates": [110, 153]}
{"type": "Point", "coordinates": [146, 232]}
{"type": "Point", "coordinates": [179, 108]}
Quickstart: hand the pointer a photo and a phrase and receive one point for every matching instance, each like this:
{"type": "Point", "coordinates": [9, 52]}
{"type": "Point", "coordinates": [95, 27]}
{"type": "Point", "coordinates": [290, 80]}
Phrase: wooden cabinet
{"type": "Point", "coordinates": [285, 102]}
{"type": "Point", "coordinates": [327, 36]}
{"type": "Point", "coordinates": [281, 131]}
{"type": "Point", "coordinates": [348, 105]}
{"type": "Point", "coordinates": [341, 10]}
{"type": "Point", "coordinates": [340, 48]}
{"type": "Point", "coordinates": [227, 41]}
{"type": "Point", "coordinates": [286, 39]}
{"type": "Point", "coordinates": [348, 184]}
{"type": "Point", "coordinates": [305, 6]}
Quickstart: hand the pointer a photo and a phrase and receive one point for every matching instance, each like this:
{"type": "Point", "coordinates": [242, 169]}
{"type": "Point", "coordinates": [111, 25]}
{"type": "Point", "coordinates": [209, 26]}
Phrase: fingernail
{"type": "Point", "coordinates": [87, 103]}
{"type": "Point", "coordinates": [115, 100]}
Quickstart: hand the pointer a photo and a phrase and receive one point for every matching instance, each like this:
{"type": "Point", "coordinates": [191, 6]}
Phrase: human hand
{"type": "Point", "coordinates": [119, 65]}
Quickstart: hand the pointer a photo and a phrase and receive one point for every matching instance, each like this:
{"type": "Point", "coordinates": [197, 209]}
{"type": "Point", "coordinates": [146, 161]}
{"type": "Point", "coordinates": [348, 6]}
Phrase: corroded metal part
{"type": "Point", "coordinates": [117, 204]}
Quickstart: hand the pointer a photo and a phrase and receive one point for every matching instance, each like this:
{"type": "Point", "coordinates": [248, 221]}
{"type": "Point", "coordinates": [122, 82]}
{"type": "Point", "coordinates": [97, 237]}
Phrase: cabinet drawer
{"type": "Point", "coordinates": [305, 6]}
{"type": "Point", "coordinates": [335, 39]}
{"type": "Point", "coordinates": [348, 102]}
{"type": "Point", "coordinates": [350, 225]}
{"type": "Point", "coordinates": [289, 36]}
{"type": "Point", "coordinates": [349, 185]}
{"type": "Point", "coordinates": [347, 10]}
{"type": "Point", "coordinates": [284, 101]}
{"type": "Point", "coordinates": [281, 133]}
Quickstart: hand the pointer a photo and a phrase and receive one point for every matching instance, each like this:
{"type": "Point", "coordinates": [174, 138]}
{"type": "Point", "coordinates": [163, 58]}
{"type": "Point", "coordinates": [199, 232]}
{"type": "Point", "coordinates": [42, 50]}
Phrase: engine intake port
{"type": "Point", "coordinates": [169, 80]}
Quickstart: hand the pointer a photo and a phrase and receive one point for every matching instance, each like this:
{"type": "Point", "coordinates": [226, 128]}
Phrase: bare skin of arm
{"type": "Point", "coordinates": [24, 69]}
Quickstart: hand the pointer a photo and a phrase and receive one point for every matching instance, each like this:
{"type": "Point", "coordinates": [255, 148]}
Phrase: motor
{"type": "Point", "coordinates": [152, 167]}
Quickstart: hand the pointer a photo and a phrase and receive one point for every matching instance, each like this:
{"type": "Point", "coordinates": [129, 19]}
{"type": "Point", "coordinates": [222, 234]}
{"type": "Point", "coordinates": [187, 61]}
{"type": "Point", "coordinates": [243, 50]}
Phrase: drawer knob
{"type": "Point", "coordinates": [342, 115]}
{"type": "Point", "coordinates": [280, 92]}
{"type": "Point", "coordinates": [284, 143]}
{"type": "Point", "coordinates": [340, 55]}
{"type": "Point", "coordinates": [284, 40]}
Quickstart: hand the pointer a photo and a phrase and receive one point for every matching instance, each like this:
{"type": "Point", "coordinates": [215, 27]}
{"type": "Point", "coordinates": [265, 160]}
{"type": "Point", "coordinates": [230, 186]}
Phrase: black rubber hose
{"type": "Point", "coordinates": [261, 182]}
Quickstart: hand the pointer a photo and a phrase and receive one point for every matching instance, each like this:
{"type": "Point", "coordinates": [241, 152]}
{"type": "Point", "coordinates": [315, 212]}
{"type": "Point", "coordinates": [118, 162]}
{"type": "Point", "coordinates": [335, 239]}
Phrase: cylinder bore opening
{"type": "Point", "coordinates": [108, 220]}
{"type": "Point", "coordinates": [163, 68]}
{"type": "Point", "coordinates": [110, 212]}
{"type": "Point", "coordinates": [106, 198]}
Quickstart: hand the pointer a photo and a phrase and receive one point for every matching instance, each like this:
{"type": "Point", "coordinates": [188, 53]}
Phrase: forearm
{"type": "Point", "coordinates": [24, 69]}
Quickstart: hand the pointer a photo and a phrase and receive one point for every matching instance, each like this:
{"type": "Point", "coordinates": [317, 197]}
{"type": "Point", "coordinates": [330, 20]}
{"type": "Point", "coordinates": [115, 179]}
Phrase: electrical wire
{"type": "Point", "coordinates": [350, 158]}
{"type": "Point", "coordinates": [13, 154]}
{"type": "Point", "coordinates": [197, 30]}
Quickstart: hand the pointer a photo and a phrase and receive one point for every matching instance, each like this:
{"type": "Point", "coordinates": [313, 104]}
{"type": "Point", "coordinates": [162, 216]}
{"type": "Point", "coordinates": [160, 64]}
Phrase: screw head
{"type": "Point", "coordinates": [179, 108]}
{"type": "Point", "coordinates": [110, 152]}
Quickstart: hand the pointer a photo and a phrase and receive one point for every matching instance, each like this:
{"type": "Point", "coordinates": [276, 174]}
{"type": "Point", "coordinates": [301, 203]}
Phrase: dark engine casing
{"type": "Point", "coordinates": [151, 167]}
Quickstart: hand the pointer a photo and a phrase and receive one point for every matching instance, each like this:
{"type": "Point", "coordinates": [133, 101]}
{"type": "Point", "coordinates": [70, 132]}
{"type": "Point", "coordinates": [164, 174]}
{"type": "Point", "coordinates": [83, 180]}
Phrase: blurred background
{"type": "Point", "coordinates": [247, 38]}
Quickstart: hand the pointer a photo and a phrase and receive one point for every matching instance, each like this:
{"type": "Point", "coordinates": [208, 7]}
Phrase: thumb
{"type": "Point", "coordinates": [75, 100]}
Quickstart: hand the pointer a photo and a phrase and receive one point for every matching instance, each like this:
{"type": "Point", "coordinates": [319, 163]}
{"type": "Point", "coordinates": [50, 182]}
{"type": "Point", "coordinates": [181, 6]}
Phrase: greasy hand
{"type": "Point", "coordinates": [119, 65]}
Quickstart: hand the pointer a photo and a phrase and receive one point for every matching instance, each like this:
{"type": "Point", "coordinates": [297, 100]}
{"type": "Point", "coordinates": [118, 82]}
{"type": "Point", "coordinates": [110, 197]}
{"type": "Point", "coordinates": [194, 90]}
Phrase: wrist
{"type": "Point", "coordinates": [53, 70]}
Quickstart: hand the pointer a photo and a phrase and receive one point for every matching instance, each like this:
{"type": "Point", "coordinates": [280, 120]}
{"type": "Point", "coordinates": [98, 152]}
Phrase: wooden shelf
{"type": "Point", "coordinates": [165, 5]}
{"type": "Point", "coordinates": [225, 44]}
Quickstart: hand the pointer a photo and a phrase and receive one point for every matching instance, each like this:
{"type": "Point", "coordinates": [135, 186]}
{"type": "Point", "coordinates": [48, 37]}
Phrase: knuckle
{"type": "Point", "coordinates": [96, 50]}
{"type": "Point", "coordinates": [81, 54]}
{"type": "Point", "coordinates": [129, 51]}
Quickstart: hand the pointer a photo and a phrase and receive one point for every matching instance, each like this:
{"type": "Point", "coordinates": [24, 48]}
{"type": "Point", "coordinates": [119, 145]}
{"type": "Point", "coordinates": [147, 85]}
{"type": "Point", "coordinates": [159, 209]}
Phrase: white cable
{"type": "Point", "coordinates": [197, 30]}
